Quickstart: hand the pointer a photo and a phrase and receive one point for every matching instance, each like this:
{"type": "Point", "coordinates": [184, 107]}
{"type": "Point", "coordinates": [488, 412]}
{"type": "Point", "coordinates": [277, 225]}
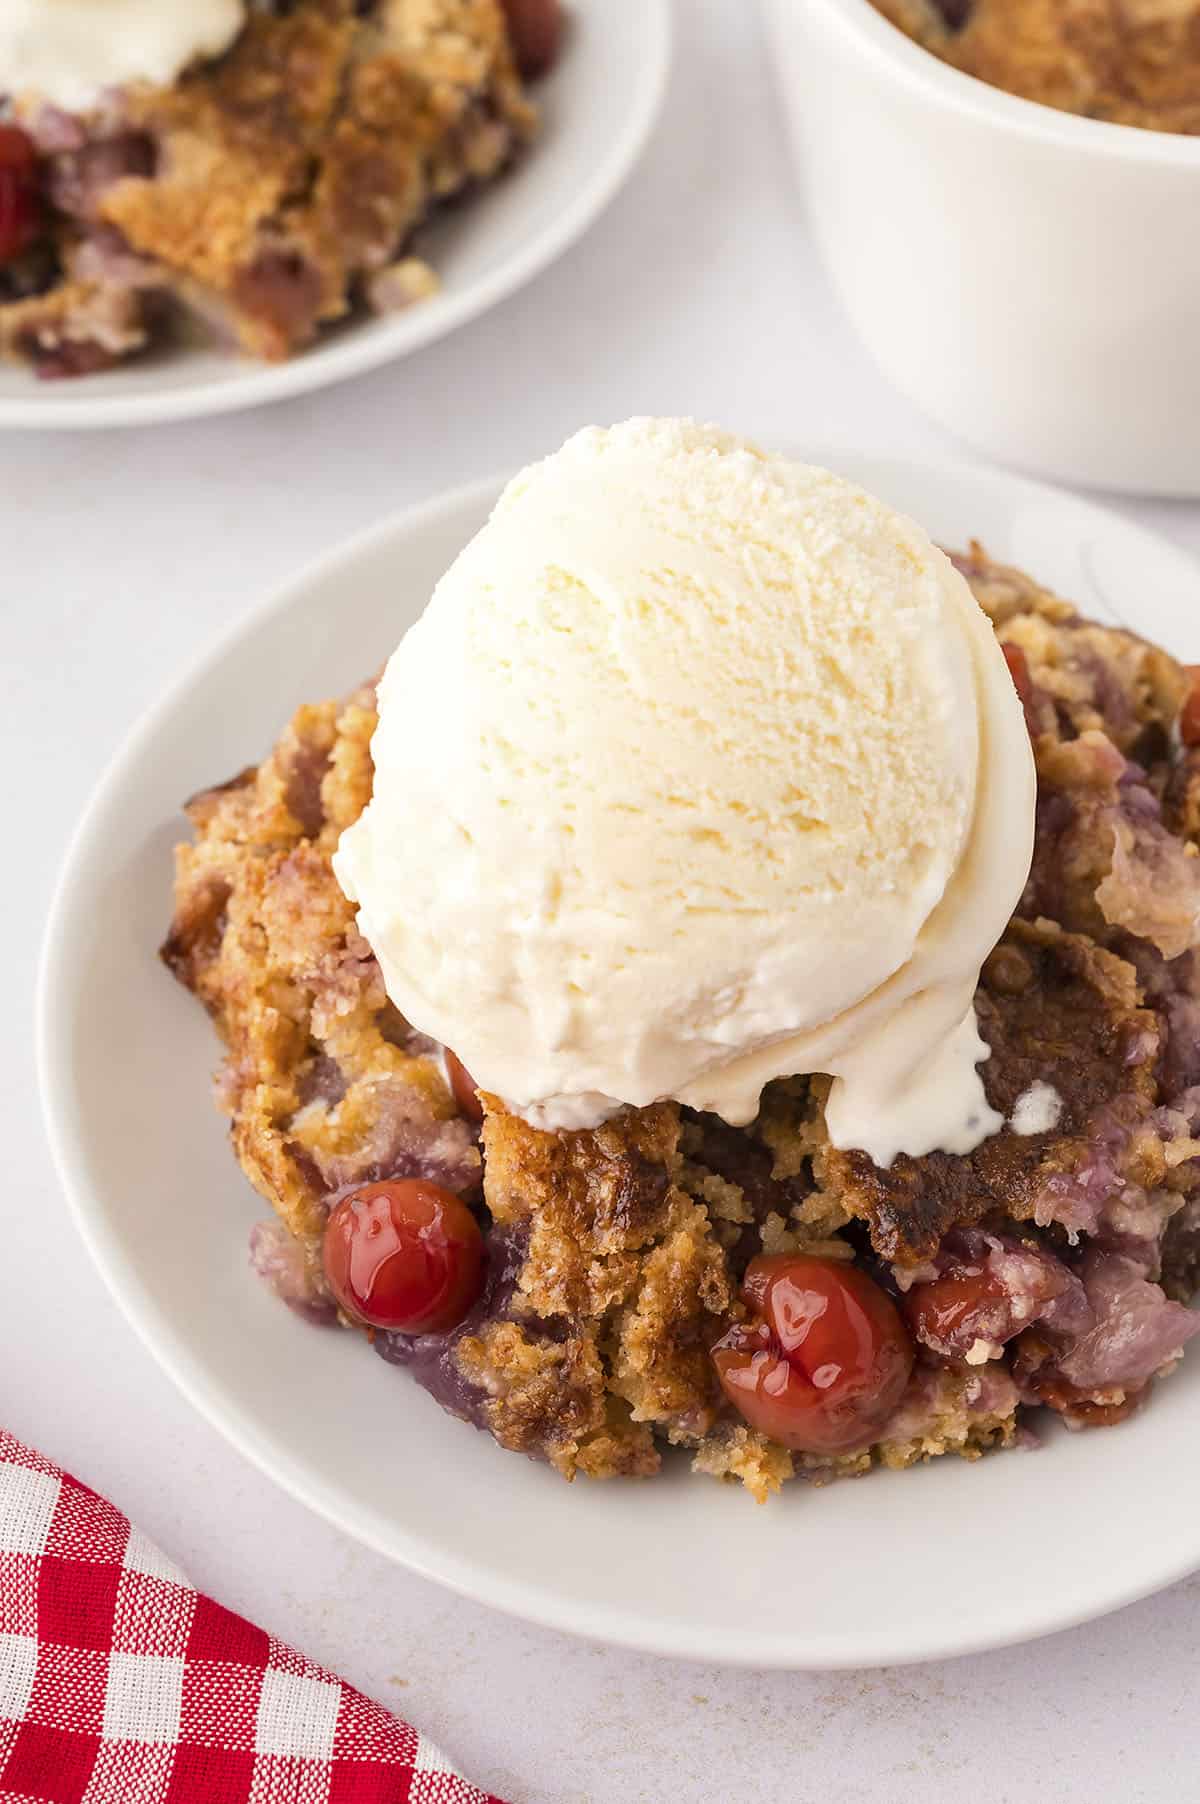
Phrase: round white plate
{"type": "Point", "coordinates": [598, 107]}
{"type": "Point", "coordinates": [899, 1566]}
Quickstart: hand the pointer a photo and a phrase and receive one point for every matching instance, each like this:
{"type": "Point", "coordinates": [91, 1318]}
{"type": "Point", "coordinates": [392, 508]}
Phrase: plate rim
{"type": "Point", "coordinates": [219, 1406]}
{"type": "Point", "coordinates": [325, 364]}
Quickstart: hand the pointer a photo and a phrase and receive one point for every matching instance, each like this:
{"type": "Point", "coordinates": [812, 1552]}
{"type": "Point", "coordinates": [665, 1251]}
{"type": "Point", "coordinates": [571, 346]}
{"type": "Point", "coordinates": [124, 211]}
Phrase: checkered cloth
{"type": "Point", "coordinates": [121, 1684]}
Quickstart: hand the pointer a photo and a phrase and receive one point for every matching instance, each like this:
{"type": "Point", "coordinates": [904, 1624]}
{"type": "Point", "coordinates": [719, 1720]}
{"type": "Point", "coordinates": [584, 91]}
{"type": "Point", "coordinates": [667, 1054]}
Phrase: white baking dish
{"type": "Point", "coordinates": [1029, 278]}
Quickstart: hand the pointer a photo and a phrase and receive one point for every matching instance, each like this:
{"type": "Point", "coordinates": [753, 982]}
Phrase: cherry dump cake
{"type": "Point", "coordinates": [1132, 62]}
{"type": "Point", "coordinates": [267, 192]}
{"type": "Point", "coordinates": [771, 1302]}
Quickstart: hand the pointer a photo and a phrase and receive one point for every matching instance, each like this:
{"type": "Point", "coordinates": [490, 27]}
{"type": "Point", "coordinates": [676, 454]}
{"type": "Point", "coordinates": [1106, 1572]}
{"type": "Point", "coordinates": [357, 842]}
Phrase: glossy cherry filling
{"type": "Point", "coordinates": [404, 1255]}
{"type": "Point", "coordinates": [824, 1359]}
{"type": "Point", "coordinates": [464, 1087]}
{"type": "Point", "coordinates": [20, 201]}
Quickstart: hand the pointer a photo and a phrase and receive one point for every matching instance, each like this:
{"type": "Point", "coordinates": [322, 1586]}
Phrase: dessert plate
{"type": "Point", "coordinates": [900, 1566]}
{"type": "Point", "coordinates": [599, 106]}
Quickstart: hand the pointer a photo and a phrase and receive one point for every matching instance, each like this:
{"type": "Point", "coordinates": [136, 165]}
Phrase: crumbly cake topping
{"type": "Point", "coordinates": [615, 1255]}
{"type": "Point", "coordinates": [1132, 62]}
{"type": "Point", "coordinates": [270, 191]}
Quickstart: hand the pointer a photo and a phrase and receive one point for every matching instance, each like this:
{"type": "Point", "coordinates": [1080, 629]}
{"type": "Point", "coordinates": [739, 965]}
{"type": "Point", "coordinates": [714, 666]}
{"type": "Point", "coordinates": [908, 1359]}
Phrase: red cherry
{"type": "Point", "coordinates": [826, 1359]}
{"type": "Point", "coordinates": [970, 1301]}
{"type": "Point", "coordinates": [19, 206]}
{"type": "Point", "coordinates": [1018, 670]}
{"type": "Point", "coordinates": [1189, 716]}
{"type": "Point", "coordinates": [536, 30]}
{"type": "Point", "coordinates": [964, 1298]}
{"type": "Point", "coordinates": [404, 1255]}
{"type": "Point", "coordinates": [464, 1088]}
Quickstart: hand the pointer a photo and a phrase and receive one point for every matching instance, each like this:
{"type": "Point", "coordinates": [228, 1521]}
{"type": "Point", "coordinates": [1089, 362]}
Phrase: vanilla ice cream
{"type": "Point", "coordinates": [701, 768]}
{"type": "Point", "coordinates": [69, 51]}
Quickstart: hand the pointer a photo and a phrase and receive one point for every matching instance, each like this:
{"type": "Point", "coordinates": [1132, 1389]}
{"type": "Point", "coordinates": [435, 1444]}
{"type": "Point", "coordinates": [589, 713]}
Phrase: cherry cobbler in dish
{"type": "Point", "coordinates": [270, 190]}
{"type": "Point", "coordinates": [1132, 62]}
{"type": "Point", "coordinates": [775, 1306]}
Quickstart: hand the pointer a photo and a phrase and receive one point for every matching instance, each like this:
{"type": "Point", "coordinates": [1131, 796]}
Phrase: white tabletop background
{"type": "Point", "coordinates": [121, 555]}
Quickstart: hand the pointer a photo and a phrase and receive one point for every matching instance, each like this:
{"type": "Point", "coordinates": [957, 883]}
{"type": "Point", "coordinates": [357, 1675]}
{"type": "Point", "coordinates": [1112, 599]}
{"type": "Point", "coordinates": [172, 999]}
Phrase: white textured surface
{"type": "Point", "coordinates": [122, 555]}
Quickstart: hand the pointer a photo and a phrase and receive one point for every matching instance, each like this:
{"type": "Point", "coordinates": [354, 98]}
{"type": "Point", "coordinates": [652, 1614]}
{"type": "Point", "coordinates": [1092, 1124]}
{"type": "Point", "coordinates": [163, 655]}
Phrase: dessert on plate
{"type": "Point", "coordinates": [256, 167]}
{"type": "Point", "coordinates": [731, 984]}
{"type": "Point", "coordinates": [1132, 62]}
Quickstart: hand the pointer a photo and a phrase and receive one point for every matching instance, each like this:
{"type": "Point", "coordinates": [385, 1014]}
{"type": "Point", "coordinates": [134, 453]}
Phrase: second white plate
{"type": "Point", "coordinates": [899, 1566]}
{"type": "Point", "coordinates": [598, 109]}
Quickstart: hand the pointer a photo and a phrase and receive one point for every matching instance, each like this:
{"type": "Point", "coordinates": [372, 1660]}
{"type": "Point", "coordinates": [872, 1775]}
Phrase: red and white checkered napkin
{"type": "Point", "coordinates": [121, 1684]}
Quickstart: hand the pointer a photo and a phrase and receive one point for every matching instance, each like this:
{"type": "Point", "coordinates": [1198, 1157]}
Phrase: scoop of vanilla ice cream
{"type": "Point", "coordinates": [69, 51]}
{"type": "Point", "coordinates": [701, 768]}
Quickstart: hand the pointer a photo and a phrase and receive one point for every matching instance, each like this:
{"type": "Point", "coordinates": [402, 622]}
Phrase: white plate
{"type": "Point", "coordinates": [901, 1566]}
{"type": "Point", "coordinates": [598, 106]}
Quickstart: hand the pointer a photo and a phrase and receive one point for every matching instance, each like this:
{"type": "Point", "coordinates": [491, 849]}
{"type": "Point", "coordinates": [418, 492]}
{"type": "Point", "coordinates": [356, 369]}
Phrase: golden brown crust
{"type": "Point", "coordinates": [1132, 62]}
{"type": "Point", "coordinates": [616, 1244]}
{"type": "Point", "coordinates": [551, 1399]}
{"type": "Point", "coordinates": [320, 1073]}
{"type": "Point", "coordinates": [1054, 1008]}
{"type": "Point", "coordinates": [311, 151]}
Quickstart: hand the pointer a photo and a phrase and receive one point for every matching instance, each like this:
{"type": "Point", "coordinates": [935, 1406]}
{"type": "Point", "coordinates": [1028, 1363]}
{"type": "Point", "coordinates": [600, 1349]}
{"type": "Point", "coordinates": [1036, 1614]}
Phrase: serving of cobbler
{"type": "Point", "coordinates": [270, 191]}
{"type": "Point", "coordinates": [771, 1304]}
{"type": "Point", "coordinates": [1132, 62]}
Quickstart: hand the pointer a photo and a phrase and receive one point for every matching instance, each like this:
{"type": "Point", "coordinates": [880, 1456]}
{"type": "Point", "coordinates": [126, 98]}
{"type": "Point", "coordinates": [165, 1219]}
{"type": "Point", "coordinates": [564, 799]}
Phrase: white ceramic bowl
{"type": "Point", "coordinates": [901, 1566]}
{"type": "Point", "coordinates": [599, 106]}
{"type": "Point", "coordinates": [1029, 278]}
